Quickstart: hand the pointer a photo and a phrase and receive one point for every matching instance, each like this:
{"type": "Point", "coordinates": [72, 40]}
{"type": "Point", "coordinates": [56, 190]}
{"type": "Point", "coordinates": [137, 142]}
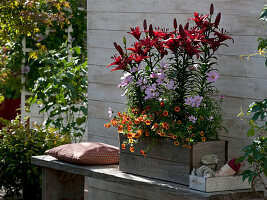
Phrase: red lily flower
{"type": "Point", "coordinates": [135, 32]}
{"type": "Point", "coordinates": [172, 44]}
{"type": "Point", "coordinates": [121, 62]}
{"type": "Point", "coordinates": [148, 43]}
{"type": "Point", "coordinates": [138, 58]}
{"type": "Point", "coordinates": [201, 20]}
{"type": "Point", "coordinates": [222, 36]}
{"type": "Point", "coordinates": [137, 49]}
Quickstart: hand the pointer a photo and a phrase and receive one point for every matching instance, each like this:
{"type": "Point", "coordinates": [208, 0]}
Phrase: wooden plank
{"type": "Point", "coordinates": [234, 24]}
{"type": "Point", "coordinates": [100, 194]}
{"type": "Point", "coordinates": [245, 7]}
{"type": "Point", "coordinates": [162, 170]}
{"type": "Point", "coordinates": [235, 146]}
{"type": "Point", "coordinates": [102, 92]}
{"type": "Point", "coordinates": [242, 87]}
{"type": "Point", "coordinates": [243, 45]}
{"type": "Point", "coordinates": [108, 140]}
{"type": "Point", "coordinates": [162, 149]}
{"type": "Point", "coordinates": [61, 185]}
{"type": "Point", "coordinates": [99, 109]}
{"type": "Point", "coordinates": [102, 74]}
{"type": "Point", "coordinates": [133, 190]}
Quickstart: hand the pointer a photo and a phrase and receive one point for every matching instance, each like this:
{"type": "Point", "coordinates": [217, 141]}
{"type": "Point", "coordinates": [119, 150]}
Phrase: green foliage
{"type": "Point", "coordinates": [62, 89]}
{"type": "Point", "coordinates": [17, 145]}
{"type": "Point", "coordinates": [32, 19]}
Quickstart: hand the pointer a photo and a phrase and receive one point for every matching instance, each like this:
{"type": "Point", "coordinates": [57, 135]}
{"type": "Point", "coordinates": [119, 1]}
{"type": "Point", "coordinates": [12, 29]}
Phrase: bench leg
{"type": "Point", "coordinates": [59, 185]}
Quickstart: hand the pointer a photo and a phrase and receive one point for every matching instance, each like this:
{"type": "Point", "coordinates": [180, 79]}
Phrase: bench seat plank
{"type": "Point", "coordinates": [111, 173]}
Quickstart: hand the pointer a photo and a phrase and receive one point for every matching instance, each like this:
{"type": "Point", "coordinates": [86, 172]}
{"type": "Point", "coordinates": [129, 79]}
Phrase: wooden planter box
{"type": "Point", "coordinates": [168, 162]}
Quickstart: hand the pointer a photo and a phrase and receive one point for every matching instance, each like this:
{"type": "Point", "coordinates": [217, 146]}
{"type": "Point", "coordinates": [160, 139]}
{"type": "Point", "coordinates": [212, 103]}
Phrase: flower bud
{"type": "Point", "coordinates": [217, 20]}
{"type": "Point", "coordinates": [118, 47]}
{"type": "Point", "coordinates": [211, 9]}
{"type": "Point", "coordinates": [181, 30]}
{"type": "Point", "coordinates": [175, 23]}
{"type": "Point", "coordinates": [145, 25]}
{"type": "Point", "coordinates": [186, 26]}
{"type": "Point", "coordinates": [151, 34]}
{"type": "Point", "coordinates": [124, 40]}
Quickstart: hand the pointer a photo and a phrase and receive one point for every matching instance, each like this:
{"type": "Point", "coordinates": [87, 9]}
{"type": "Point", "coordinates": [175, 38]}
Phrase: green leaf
{"type": "Point", "coordinates": [263, 16]}
{"type": "Point", "coordinates": [80, 120]}
{"type": "Point", "coordinates": [251, 132]}
{"type": "Point", "coordinates": [256, 116]}
{"type": "Point", "coordinates": [84, 110]}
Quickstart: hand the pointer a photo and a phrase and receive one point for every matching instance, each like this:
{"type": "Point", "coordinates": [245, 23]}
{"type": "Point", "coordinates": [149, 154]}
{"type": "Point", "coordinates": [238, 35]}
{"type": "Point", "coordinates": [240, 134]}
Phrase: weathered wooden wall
{"type": "Point", "coordinates": [241, 81]}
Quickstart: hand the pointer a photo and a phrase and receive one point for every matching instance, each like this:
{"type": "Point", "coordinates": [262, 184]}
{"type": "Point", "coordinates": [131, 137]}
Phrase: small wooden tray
{"type": "Point", "coordinates": [216, 184]}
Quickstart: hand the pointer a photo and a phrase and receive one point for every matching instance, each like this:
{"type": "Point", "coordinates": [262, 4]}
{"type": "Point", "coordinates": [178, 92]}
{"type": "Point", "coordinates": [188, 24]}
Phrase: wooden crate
{"type": "Point", "coordinates": [168, 162]}
{"type": "Point", "coordinates": [217, 184]}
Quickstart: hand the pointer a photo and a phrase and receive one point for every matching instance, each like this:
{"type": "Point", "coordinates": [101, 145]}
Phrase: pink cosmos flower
{"type": "Point", "coordinates": [212, 76]}
{"type": "Point", "coordinates": [171, 85]}
{"type": "Point", "coordinates": [192, 119]}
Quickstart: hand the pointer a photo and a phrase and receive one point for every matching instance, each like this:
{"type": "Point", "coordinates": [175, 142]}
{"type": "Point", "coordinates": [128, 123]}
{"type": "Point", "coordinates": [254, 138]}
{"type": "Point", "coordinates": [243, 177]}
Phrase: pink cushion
{"type": "Point", "coordinates": [87, 153]}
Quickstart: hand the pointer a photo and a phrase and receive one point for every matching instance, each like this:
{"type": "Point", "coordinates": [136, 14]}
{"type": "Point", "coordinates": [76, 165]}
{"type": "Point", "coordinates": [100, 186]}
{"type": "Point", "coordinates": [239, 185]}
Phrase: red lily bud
{"type": "Point", "coordinates": [145, 25]}
{"type": "Point", "coordinates": [174, 23]}
{"type": "Point", "coordinates": [211, 9]}
{"type": "Point", "coordinates": [217, 20]}
{"type": "Point", "coordinates": [118, 47]}
{"type": "Point", "coordinates": [186, 26]}
{"type": "Point", "coordinates": [151, 34]}
{"type": "Point", "coordinates": [181, 30]}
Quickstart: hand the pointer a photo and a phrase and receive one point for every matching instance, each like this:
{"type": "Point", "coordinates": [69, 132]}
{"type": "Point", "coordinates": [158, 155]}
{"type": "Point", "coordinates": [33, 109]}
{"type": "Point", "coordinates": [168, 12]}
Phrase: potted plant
{"type": "Point", "coordinates": [170, 99]}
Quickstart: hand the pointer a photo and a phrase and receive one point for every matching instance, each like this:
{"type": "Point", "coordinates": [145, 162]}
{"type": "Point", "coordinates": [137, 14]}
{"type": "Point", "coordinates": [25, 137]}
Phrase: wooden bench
{"type": "Point", "coordinates": [65, 181]}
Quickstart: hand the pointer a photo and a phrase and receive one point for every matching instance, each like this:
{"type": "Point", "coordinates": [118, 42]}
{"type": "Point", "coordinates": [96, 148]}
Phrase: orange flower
{"type": "Point", "coordinates": [187, 139]}
{"type": "Point", "coordinates": [130, 123]}
{"type": "Point", "coordinates": [147, 133]}
{"type": "Point", "coordinates": [159, 132]}
{"type": "Point", "coordinates": [179, 122]}
{"type": "Point", "coordinates": [188, 146]}
{"type": "Point", "coordinates": [132, 149]}
{"type": "Point", "coordinates": [140, 119]}
{"type": "Point", "coordinates": [202, 133]}
{"type": "Point", "coordinates": [143, 153]}
{"type": "Point", "coordinates": [108, 125]}
{"type": "Point", "coordinates": [162, 104]}
{"type": "Point", "coordinates": [174, 137]}
{"type": "Point", "coordinates": [136, 121]}
{"type": "Point", "coordinates": [123, 146]}
{"type": "Point", "coordinates": [148, 122]}
{"type": "Point", "coordinates": [164, 124]}
{"type": "Point", "coordinates": [162, 134]}
{"type": "Point", "coordinates": [177, 109]}
{"type": "Point", "coordinates": [190, 127]}
{"type": "Point", "coordinates": [170, 135]}
{"type": "Point", "coordinates": [138, 134]}
{"type": "Point", "coordinates": [165, 113]}
{"type": "Point", "coordinates": [203, 139]}
{"type": "Point", "coordinates": [129, 128]}
{"type": "Point", "coordinates": [119, 114]}
{"type": "Point", "coordinates": [131, 140]}
{"type": "Point", "coordinates": [130, 135]}
{"type": "Point", "coordinates": [127, 119]}
{"type": "Point", "coordinates": [114, 123]}
{"type": "Point", "coordinates": [120, 128]}
{"type": "Point", "coordinates": [176, 143]}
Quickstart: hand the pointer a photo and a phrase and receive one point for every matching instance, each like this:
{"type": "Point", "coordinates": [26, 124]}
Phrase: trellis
{"type": "Point", "coordinates": [25, 50]}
